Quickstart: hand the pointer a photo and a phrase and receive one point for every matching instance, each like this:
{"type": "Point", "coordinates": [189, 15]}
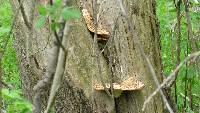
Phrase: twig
{"type": "Point", "coordinates": [189, 57]}
{"type": "Point", "coordinates": [186, 80]}
{"type": "Point", "coordinates": [59, 35]}
{"type": "Point", "coordinates": [59, 71]}
{"type": "Point", "coordinates": [59, 41]}
{"type": "Point", "coordinates": [137, 42]}
{"type": "Point", "coordinates": [25, 18]}
{"type": "Point", "coordinates": [43, 84]}
{"type": "Point", "coordinates": [4, 84]}
{"type": "Point", "coordinates": [29, 24]}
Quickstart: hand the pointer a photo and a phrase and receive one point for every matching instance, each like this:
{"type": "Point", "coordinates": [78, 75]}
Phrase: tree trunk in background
{"type": "Point", "coordinates": [76, 94]}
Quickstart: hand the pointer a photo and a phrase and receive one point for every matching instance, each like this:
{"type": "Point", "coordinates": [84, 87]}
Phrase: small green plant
{"type": "Point", "coordinates": [55, 11]}
{"type": "Point", "coordinates": [15, 103]}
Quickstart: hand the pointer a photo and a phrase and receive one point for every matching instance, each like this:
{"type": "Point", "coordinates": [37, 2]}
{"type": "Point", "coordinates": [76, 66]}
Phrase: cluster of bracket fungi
{"type": "Point", "coordinates": [129, 84]}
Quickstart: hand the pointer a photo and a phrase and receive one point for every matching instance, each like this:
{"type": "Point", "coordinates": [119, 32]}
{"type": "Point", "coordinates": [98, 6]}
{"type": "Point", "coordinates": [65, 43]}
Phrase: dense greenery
{"type": "Point", "coordinates": [166, 13]}
{"type": "Point", "coordinates": [12, 99]}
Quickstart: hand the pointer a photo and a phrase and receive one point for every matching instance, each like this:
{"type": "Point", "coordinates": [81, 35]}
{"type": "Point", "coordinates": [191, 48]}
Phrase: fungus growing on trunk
{"type": "Point", "coordinates": [130, 84]}
{"type": "Point", "coordinates": [101, 30]}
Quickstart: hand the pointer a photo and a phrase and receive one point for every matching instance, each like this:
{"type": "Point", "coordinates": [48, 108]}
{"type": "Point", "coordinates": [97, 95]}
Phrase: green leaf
{"type": "Point", "coordinates": [23, 106]}
{"type": "Point", "coordinates": [54, 26]}
{"type": "Point", "coordinates": [57, 3]}
{"type": "Point", "coordinates": [4, 30]}
{"type": "Point", "coordinates": [42, 10]}
{"type": "Point", "coordinates": [40, 22]}
{"type": "Point", "coordinates": [52, 11]}
{"type": "Point", "coordinates": [8, 95]}
{"type": "Point", "coordinates": [191, 71]}
{"type": "Point", "coordinates": [172, 10]}
{"type": "Point", "coordinates": [70, 12]}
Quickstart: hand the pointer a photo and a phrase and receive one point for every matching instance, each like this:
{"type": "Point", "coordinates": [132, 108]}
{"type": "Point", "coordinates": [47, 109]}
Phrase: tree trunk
{"type": "Point", "coordinates": [77, 94]}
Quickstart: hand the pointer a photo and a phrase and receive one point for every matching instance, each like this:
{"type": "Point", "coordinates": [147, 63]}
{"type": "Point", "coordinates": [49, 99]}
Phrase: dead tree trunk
{"type": "Point", "coordinates": [120, 61]}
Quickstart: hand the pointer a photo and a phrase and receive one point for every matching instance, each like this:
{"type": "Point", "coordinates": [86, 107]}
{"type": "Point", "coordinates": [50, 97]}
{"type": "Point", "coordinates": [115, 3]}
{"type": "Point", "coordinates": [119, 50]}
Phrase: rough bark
{"type": "Point", "coordinates": [76, 94]}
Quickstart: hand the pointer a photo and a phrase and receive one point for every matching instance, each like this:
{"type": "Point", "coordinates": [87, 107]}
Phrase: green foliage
{"type": "Point", "coordinates": [10, 69]}
{"type": "Point", "coordinates": [166, 13]}
{"type": "Point", "coordinates": [55, 11]}
{"type": "Point", "coordinates": [5, 19]}
{"type": "Point", "coordinates": [40, 22]}
{"type": "Point", "coordinates": [14, 101]}
{"type": "Point", "coordinates": [9, 62]}
{"type": "Point", "coordinates": [70, 12]}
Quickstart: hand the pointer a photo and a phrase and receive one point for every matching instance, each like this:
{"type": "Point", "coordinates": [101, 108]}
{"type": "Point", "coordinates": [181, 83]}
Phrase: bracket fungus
{"type": "Point", "coordinates": [131, 84]}
{"type": "Point", "coordinates": [101, 30]}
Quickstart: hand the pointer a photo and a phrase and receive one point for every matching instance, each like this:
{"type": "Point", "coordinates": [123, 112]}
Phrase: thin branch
{"type": "Point", "coordinates": [43, 85]}
{"type": "Point", "coordinates": [2, 83]}
{"type": "Point", "coordinates": [59, 71]}
{"type": "Point", "coordinates": [59, 40]}
{"type": "Point", "coordinates": [192, 57]}
{"type": "Point", "coordinates": [186, 80]}
{"type": "Point", "coordinates": [25, 17]}
{"type": "Point", "coordinates": [59, 35]}
{"type": "Point", "coordinates": [140, 47]}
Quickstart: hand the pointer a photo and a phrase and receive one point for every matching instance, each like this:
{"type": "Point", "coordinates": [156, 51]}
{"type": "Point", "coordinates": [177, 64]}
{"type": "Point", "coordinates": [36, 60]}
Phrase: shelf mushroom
{"type": "Point", "coordinates": [101, 29]}
{"type": "Point", "coordinates": [131, 84]}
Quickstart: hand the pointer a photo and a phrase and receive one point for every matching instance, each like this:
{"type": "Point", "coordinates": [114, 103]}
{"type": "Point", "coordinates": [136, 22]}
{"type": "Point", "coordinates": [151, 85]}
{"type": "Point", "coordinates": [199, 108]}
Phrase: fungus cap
{"type": "Point", "coordinates": [130, 84]}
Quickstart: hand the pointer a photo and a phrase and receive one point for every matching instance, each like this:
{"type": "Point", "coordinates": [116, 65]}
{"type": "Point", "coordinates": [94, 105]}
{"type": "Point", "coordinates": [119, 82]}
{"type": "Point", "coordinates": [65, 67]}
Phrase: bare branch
{"type": "Point", "coordinates": [59, 71]}
{"type": "Point", "coordinates": [25, 18]}
{"type": "Point", "coordinates": [43, 84]}
{"type": "Point", "coordinates": [52, 65]}
{"type": "Point", "coordinates": [2, 83]}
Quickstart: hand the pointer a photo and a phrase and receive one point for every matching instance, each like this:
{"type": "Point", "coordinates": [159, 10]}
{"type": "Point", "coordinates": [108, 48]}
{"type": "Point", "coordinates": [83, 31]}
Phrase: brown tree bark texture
{"type": "Point", "coordinates": [76, 94]}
